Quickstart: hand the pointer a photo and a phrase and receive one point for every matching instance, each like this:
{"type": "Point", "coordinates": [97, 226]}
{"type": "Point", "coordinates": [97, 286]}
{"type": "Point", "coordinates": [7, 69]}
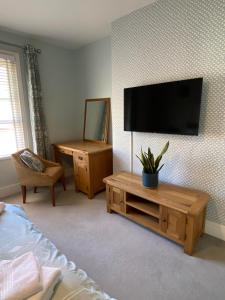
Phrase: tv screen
{"type": "Point", "coordinates": [171, 107]}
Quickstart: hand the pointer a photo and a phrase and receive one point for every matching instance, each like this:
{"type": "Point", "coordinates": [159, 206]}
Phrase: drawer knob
{"type": "Point", "coordinates": [80, 157]}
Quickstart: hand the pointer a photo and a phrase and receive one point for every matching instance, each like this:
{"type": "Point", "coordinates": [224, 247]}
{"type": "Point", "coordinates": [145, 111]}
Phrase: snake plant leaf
{"type": "Point", "coordinates": [165, 148]}
{"type": "Point", "coordinates": [149, 152]}
{"type": "Point", "coordinates": [144, 158]}
{"type": "Point", "coordinates": [151, 158]}
{"type": "Point", "coordinates": [150, 165]}
{"type": "Point", "coordinates": [158, 159]}
{"type": "Point", "coordinates": [160, 168]}
{"type": "Point", "coordinates": [145, 162]}
{"type": "Point", "coordinates": [152, 161]}
{"type": "Point", "coordinates": [141, 160]}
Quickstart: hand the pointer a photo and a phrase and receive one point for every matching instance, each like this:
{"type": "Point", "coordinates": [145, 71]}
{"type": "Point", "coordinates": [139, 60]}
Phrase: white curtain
{"type": "Point", "coordinates": [11, 121]}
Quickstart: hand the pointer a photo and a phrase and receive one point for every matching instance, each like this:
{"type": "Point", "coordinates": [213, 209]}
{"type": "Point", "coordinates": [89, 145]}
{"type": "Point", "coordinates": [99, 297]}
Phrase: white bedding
{"type": "Point", "coordinates": [19, 235]}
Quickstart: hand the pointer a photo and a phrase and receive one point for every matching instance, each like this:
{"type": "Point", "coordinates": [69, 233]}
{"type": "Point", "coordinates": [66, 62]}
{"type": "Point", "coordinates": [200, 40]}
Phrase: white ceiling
{"type": "Point", "coordinates": [68, 23]}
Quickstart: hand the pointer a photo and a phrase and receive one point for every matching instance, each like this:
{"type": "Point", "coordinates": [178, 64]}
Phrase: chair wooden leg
{"type": "Point", "coordinates": [24, 193]}
{"type": "Point", "coordinates": [63, 182]}
{"type": "Point", "coordinates": [52, 190]}
{"type": "Point", "coordinates": [35, 189]}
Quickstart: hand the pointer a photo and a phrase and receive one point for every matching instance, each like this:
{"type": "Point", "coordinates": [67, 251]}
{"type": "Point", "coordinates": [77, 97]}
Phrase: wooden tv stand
{"type": "Point", "coordinates": [175, 212]}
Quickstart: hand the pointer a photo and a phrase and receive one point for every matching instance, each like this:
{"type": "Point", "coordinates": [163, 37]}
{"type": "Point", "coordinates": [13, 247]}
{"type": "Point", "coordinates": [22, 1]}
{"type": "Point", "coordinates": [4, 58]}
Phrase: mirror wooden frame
{"type": "Point", "coordinates": [106, 121]}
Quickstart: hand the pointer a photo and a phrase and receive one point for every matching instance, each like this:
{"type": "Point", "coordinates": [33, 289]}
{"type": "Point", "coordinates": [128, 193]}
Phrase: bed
{"type": "Point", "coordinates": [19, 235]}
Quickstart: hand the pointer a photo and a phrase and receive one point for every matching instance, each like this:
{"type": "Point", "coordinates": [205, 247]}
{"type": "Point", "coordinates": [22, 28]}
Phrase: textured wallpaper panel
{"type": "Point", "coordinates": [174, 40]}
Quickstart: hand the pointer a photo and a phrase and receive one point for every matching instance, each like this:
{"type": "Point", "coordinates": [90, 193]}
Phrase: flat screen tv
{"type": "Point", "coordinates": [170, 107]}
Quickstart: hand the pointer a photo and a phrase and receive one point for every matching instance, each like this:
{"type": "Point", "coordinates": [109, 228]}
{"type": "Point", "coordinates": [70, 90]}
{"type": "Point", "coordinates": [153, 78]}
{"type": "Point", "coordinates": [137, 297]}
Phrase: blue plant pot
{"type": "Point", "coordinates": [150, 180]}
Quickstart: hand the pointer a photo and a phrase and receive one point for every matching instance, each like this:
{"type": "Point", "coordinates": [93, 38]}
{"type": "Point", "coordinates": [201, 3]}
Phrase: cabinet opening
{"type": "Point", "coordinates": [146, 206]}
{"type": "Point", "coordinates": [142, 218]}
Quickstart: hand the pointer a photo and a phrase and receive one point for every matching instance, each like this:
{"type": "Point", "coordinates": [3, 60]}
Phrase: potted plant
{"type": "Point", "coordinates": [151, 166]}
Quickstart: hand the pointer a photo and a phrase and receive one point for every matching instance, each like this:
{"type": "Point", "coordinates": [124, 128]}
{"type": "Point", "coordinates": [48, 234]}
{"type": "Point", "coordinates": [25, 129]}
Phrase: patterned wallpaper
{"type": "Point", "coordinates": [173, 40]}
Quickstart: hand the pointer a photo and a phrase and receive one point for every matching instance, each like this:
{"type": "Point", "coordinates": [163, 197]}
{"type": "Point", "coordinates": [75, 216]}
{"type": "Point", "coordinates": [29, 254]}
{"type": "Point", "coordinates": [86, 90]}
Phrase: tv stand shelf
{"type": "Point", "coordinates": [174, 212]}
{"type": "Point", "coordinates": [149, 208]}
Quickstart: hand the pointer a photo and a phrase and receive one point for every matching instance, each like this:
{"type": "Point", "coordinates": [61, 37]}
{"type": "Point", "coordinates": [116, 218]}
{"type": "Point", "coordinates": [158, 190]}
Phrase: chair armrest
{"type": "Point", "coordinates": [28, 176]}
{"type": "Point", "coordinates": [49, 163]}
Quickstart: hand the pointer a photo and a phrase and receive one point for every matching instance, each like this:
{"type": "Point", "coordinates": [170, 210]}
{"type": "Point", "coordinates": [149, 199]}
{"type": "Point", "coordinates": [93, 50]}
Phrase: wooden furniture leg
{"type": "Point", "coordinates": [24, 193]}
{"type": "Point", "coordinates": [189, 243]}
{"type": "Point", "coordinates": [74, 170]}
{"type": "Point", "coordinates": [108, 199]}
{"type": "Point", "coordinates": [63, 182]}
{"type": "Point", "coordinates": [56, 156]}
{"type": "Point", "coordinates": [90, 193]}
{"type": "Point", "coordinates": [203, 223]}
{"type": "Point", "coordinates": [52, 190]}
{"type": "Point", "coordinates": [35, 189]}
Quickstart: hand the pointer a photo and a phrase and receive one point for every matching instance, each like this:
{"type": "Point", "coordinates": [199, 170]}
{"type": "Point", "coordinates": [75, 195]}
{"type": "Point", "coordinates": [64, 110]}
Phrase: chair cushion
{"type": "Point", "coordinates": [54, 172]}
{"type": "Point", "coordinates": [32, 161]}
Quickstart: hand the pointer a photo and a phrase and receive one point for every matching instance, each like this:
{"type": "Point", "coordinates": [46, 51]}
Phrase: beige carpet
{"type": "Point", "coordinates": [128, 261]}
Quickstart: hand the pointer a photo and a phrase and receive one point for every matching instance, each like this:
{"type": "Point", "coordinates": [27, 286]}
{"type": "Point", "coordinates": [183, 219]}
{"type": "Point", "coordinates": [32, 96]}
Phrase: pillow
{"type": "Point", "coordinates": [32, 161]}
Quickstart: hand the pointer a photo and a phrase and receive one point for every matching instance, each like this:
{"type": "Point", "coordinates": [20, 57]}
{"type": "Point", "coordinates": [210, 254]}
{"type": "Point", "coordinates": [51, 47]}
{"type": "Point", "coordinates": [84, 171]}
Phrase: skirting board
{"type": "Point", "coordinates": [9, 190]}
{"type": "Point", "coordinates": [215, 229]}
{"type": "Point", "coordinates": [12, 189]}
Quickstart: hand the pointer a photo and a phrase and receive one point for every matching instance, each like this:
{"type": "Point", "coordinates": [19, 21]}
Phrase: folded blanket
{"type": "Point", "coordinates": [19, 278]}
{"type": "Point", "coordinates": [2, 207]}
{"type": "Point", "coordinates": [49, 277]}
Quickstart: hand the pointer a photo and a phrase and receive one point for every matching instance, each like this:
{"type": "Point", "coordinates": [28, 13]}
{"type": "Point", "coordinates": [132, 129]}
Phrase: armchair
{"type": "Point", "coordinates": [30, 178]}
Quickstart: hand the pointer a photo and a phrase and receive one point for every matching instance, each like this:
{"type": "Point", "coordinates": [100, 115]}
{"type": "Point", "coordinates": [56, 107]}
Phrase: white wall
{"type": "Point", "coordinates": [173, 40]}
{"type": "Point", "coordinates": [59, 94]}
{"type": "Point", "coordinates": [93, 79]}
{"type": "Point", "coordinates": [93, 69]}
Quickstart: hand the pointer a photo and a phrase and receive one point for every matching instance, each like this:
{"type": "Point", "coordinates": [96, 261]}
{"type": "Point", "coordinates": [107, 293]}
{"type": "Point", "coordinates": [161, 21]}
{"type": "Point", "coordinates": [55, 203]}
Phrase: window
{"type": "Point", "coordinates": [12, 137]}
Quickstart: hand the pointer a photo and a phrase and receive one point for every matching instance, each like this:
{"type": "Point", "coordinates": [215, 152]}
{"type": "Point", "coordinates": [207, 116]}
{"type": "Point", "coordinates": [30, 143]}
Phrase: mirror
{"type": "Point", "coordinates": [96, 120]}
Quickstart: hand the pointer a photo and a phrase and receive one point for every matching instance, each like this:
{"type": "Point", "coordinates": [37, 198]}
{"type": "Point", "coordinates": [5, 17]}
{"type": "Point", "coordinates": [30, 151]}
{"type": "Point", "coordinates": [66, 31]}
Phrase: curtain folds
{"type": "Point", "coordinates": [38, 125]}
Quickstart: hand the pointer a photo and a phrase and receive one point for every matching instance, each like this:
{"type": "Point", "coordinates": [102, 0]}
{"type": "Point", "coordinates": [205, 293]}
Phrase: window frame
{"type": "Point", "coordinates": [22, 99]}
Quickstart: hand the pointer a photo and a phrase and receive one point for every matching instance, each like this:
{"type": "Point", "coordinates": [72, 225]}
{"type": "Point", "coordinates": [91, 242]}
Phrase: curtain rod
{"type": "Point", "coordinates": [18, 46]}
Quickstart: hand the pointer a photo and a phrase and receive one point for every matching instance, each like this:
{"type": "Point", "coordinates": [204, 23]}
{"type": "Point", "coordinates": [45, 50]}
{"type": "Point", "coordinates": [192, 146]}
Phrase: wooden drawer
{"type": "Point", "coordinates": [81, 172]}
{"type": "Point", "coordinates": [82, 179]}
{"type": "Point", "coordinates": [81, 158]}
{"type": "Point", "coordinates": [64, 151]}
{"type": "Point", "coordinates": [117, 200]}
{"type": "Point", "coordinates": [173, 223]}
{"type": "Point", "coordinates": [100, 166]}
